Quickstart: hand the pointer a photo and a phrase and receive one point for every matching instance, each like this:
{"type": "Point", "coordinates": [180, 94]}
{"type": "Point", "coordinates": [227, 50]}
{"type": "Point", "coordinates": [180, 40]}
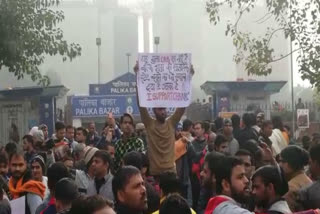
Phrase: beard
{"type": "Point", "coordinates": [239, 197]}
{"type": "Point", "coordinates": [261, 203]}
{"type": "Point", "coordinates": [16, 174]}
{"type": "Point", "coordinates": [206, 183]}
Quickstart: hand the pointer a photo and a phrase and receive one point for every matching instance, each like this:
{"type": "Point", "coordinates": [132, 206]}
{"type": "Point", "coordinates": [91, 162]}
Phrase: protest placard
{"type": "Point", "coordinates": [303, 118]}
{"type": "Point", "coordinates": [164, 80]}
{"type": "Point", "coordinates": [18, 205]}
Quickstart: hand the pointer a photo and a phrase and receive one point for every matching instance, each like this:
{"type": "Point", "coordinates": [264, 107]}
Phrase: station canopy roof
{"type": "Point", "coordinates": [271, 87]}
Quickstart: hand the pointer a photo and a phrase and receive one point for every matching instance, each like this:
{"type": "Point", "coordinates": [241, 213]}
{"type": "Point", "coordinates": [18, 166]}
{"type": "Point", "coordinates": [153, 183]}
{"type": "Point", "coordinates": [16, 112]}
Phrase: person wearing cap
{"type": "Point", "coordinates": [66, 192]}
{"type": "Point", "coordinates": [38, 137]}
{"type": "Point", "coordinates": [227, 131]}
{"type": "Point", "coordinates": [102, 182]}
{"type": "Point", "coordinates": [44, 129]}
{"type": "Point", "coordinates": [128, 142]}
{"type": "Point", "coordinates": [78, 156]}
{"type": "Point", "coordinates": [38, 170]}
{"type": "Point", "coordinates": [83, 177]}
{"type": "Point", "coordinates": [178, 130]}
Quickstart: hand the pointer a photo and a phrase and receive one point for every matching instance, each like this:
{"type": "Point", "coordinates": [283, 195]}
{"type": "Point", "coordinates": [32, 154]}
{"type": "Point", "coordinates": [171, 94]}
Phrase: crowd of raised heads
{"type": "Point", "coordinates": [245, 164]}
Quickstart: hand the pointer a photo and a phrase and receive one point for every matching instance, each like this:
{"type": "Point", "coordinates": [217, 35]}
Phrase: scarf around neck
{"type": "Point", "coordinates": [31, 186]}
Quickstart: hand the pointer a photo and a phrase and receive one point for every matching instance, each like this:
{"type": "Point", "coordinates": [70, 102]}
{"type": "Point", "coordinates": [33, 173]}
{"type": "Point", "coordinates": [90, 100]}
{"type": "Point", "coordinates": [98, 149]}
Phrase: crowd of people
{"type": "Point", "coordinates": [163, 165]}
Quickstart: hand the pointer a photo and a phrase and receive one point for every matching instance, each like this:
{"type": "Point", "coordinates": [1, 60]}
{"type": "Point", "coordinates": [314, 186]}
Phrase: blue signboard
{"type": "Point", "coordinates": [100, 106]}
{"type": "Point", "coordinates": [122, 85]}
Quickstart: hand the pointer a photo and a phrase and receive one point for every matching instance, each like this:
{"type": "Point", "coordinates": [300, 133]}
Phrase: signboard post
{"type": "Point", "coordinates": [164, 80]}
{"type": "Point", "coordinates": [303, 118]}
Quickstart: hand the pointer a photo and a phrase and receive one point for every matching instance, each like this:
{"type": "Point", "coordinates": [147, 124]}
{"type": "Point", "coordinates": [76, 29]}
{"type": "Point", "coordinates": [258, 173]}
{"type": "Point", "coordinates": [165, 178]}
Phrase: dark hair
{"type": "Point", "coordinates": [186, 125]}
{"type": "Point", "coordinates": [83, 130]}
{"type": "Point", "coordinates": [133, 158]}
{"type": "Point", "coordinates": [176, 204]}
{"type": "Point", "coordinates": [70, 127]}
{"type": "Point", "coordinates": [248, 119]}
{"type": "Point", "coordinates": [295, 156]}
{"type": "Point", "coordinates": [275, 176]}
{"type": "Point", "coordinates": [266, 123]}
{"type": "Point", "coordinates": [66, 190]}
{"type": "Point", "coordinates": [206, 126]}
{"type": "Point", "coordinates": [287, 127]}
{"type": "Point", "coordinates": [315, 153]}
{"type": "Point", "coordinates": [220, 139]}
{"type": "Point", "coordinates": [109, 144]}
{"type": "Point", "coordinates": [235, 121]}
{"type": "Point", "coordinates": [104, 156]}
{"type": "Point", "coordinates": [169, 183]}
{"type": "Point", "coordinates": [277, 123]}
{"type": "Point", "coordinates": [224, 171]}
{"type": "Point", "coordinates": [28, 138]}
{"type": "Point", "coordinates": [59, 125]}
{"type": "Point", "coordinates": [122, 178]}
{"type": "Point", "coordinates": [218, 122]}
{"type": "Point", "coordinates": [126, 115]}
{"type": "Point", "coordinates": [243, 152]}
{"type": "Point", "coordinates": [10, 148]}
{"type": "Point", "coordinates": [306, 139]}
{"type": "Point", "coordinates": [306, 142]}
{"type": "Point", "coordinates": [3, 159]}
{"type": "Point", "coordinates": [89, 205]}
{"type": "Point", "coordinates": [153, 198]}
{"type": "Point", "coordinates": [252, 147]}
{"type": "Point", "coordinates": [213, 159]}
{"type": "Point", "coordinates": [17, 153]}
{"type": "Point", "coordinates": [199, 122]}
{"type": "Point", "coordinates": [56, 172]}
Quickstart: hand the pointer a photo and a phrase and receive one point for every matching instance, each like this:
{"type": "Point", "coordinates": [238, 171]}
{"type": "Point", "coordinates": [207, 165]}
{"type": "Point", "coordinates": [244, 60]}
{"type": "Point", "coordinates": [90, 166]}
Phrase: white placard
{"type": "Point", "coordinates": [303, 118]}
{"type": "Point", "coordinates": [164, 80]}
{"type": "Point", "coordinates": [18, 206]}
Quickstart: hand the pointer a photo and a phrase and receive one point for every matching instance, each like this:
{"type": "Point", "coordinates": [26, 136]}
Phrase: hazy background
{"type": "Point", "coordinates": [128, 26]}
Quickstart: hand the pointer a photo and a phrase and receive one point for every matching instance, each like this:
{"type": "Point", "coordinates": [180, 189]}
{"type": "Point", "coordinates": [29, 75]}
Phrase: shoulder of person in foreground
{"type": "Point", "coordinates": [223, 204]}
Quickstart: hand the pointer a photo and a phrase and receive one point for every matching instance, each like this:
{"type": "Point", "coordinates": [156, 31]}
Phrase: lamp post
{"type": "Point", "coordinates": [98, 43]}
{"type": "Point", "coordinates": [128, 55]}
{"type": "Point", "coordinates": [292, 92]}
{"type": "Point", "coordinates": [98, 39]}
{"type": "Point", "coordinates": [157, 42]}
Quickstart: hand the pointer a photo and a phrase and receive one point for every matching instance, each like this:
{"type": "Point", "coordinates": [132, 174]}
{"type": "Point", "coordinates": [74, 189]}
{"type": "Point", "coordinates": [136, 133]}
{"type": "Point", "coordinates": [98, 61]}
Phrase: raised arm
{"type": "Point", "coordinates": [175, 118]}
{"type": "Point", "coordinates": [145, 117]}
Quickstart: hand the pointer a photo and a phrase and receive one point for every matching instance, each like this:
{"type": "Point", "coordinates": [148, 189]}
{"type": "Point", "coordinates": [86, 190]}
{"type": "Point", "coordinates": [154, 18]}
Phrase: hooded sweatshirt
{"type": "Point", "coordinates": [224, 205]}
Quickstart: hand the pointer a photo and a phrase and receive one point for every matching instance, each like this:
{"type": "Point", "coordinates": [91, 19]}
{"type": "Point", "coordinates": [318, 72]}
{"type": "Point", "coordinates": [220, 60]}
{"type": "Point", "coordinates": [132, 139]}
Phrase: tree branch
{"type": "Point", "coordinates": [241, 13]}
{"type": "Point", "coordinates": [271, 35]}
{"type": "Point", "coordinates": [280, 58]}
{"type": "Point", "coordinates": [266, 17]}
